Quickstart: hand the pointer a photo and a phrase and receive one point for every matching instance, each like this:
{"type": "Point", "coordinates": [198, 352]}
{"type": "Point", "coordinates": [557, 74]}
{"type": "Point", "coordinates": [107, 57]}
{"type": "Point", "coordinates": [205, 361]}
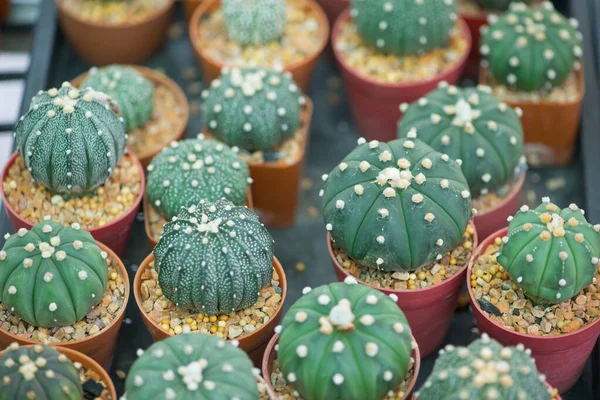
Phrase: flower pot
{"type": "Point", "coordinates": [189, 6]}
{"type": "Point", "coordinates": [475, 21]}
{"type": "Point", "coordinates": [374, 104]}
{"type": "Point", "coordinates": [333, 8]}
{"type": "Point", "coordinates": [101, 43]}
{"type": "Point", "coordinates": [4, 9]}
{"type": "Point", "coordinates": [560, 357]}
{"type": "Point", "coordinates": [114, 234]}
{"type": "Point", "coordinates": [99, 347]}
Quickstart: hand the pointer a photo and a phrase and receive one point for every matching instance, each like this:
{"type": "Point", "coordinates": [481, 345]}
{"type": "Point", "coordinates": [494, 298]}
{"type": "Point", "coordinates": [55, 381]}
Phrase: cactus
{"type": "Point", "coordinates": [254, 109]}
{"type": "Point", "coordinates": [396, 206]}
{"type": "Point", "coordinates": [485, 370]}
{"type": "Point", "coordinates": [192, 366]}
{"type": "Point", "coordinates": [531, 49]}
{"type": "Point", "coordinates": [38, 372]}
{"type": "Point", "coordinates": [52, 275]}
{"type": "Point", "coordinates": [254, 22]}
{"type": "Point", "coordinates": [550, 253]}
{"type": "Point", "coordinates": [472, 126]}
{"type": "Point", "coordinates": [133, 93]}
{"type": "Point", "coordinates": [498, 4]}
{"type": "Point", "coordinates": [344, 341]}
{"type": "Point", "coordinates": [194, 169]}
{"type": "Point", "coordinates": [404, 27]}
{"type": "Point", "coordinates": [214, 258]}
{"type": "Point", "coordinates": [71, 139]}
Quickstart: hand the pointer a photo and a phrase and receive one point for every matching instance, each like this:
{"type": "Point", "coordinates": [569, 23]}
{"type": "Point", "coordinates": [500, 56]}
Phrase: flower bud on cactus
{"type": "Point", "coordinates": [133, 93]}
{"type": "Point", "coordinates": [531, 49]}
{"type": "Point", "coordinates": [254, 22]}
{"type": "Point", "coordinates": [71, 139]}
{"type": "Point", "coordinates": [472, 126]}
{"type": "Point", "coordinates": [550, 253]}
{"type": "Point", "coordinates": [52, 275]}
{"type": "Point", "coordinates": [254, 109]}
{"type": "Point", "coordinates": [498, 4]}
{"type": "Point", "coordinates": [192, 170]}
{"type": "Point", "coordinates": [214, 258]}
{"type": "Point", "coordinates": [38, 372]}
{"type": "Point", "coordinates": [396, 206]}
{"type": "Point", "coordinates": [404, 27]}
{"type": "Point", "coordinates": [485, 370]}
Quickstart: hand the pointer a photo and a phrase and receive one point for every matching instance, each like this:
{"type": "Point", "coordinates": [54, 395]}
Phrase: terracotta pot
{"type": "Point", "coordinates": [189, 6]}
{"type": "Point", "coordinates": [475, 21]}
{"type": "Point", "coordinates": [301, 71]}
{"type": "Point", "coordinates": [550, 128]}
{"type": "Point", "coordinates": [158, 79]}
{"type": "Point", "coordinates": [270, 353]}
{"type": "Point", "coordinates": [100, 43]}
{"type": "Point", "coordinates": [374, 104]}
{"type": "Point", "coordinates": [114, 234]}
{"type": "Point", "coordinates": [561, 357]}
{"type": "Point", "coordinates": [4, 9]}
{"type": "Point", "coordinates": [555, 397]}
{"type": "Point", "coordinates": [253, 344]}
{"type": "Point", "coordinates": [333, 8]}
{"type": "Point", "coordinates": [429, 311]}
{"type": "Point", "coordinates": [99, 347]}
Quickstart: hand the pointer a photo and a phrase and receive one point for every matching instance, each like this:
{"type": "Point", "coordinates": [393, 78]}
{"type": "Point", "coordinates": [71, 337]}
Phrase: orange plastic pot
{"type": "Point", "coordinates": [189, 6]}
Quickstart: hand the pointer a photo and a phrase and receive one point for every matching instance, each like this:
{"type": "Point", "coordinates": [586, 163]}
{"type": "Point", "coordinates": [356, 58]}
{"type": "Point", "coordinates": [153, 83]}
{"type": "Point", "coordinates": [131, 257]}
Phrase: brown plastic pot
{"type": "Point", "coordinates": [189, 6]}
{"type": "Point", "coordinates": [99, 347]}
{"type": "Point", "coordinates": [114, 234]}
{"type": "Point", "coordinates": [475, 21]}
{"type": "Point", "coordinates": [429, 311]}
{"type": "Point", "coordinates": [4, 9]}
{"type": "Point", "coordinates": [301, 71]}
{"type": "Point", "coordinates": [333, 8]}
{"type": "Point", "coordinates": [253, 344]}
{"type": "Point", "coordinates": [561, 357]}
{"type": "Point", "coordinates": [101, 43]}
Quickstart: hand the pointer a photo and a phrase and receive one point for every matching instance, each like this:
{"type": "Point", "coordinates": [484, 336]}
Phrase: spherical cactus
{"type": "Point", "coordinates": [192, 170]}
{"type": "Point", "coordinates": [254, 22]}
{"type": "Point", "coordinates": [485, 370]}
{"type": "Point", "coordinates": [472, 126]}
{"type": "Point", "coordinates": [396, 206]}
{"type": "Point", "coordinates": [404, 27]}
{"type": "Point", "coordinates": [254, 109]}
{"type": "Point", "coordinates": [38, 372]}
{"type": "Point", "coordinates": [71, 139]}
{"type": "Point", "coordinates": [52, 275]}
{"type": "Point", "coordinates": [192, 366]}
{"type": "Point", "coordinates": [133, 93]}
{"type": "Point", "coordinates": [214, 258]}
{"type": "Point", "coordinates": [531, 49]}
{"type": "Point", "coordinates": [498, 4]}
{"type": "Point", "coordinates": [550, 253]}
{"type": "Point", "coordinates": [344, 341]}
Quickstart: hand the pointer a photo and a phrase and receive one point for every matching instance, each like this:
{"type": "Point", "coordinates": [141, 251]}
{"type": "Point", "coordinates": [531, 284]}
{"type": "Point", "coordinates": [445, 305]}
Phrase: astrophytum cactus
{"type": "Point", "coordinates": [498, 4]}
{"type": "Point", "coordinates": [254, 22]}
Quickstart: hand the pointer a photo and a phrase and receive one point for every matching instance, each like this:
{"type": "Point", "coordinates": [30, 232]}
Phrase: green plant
{"type": "Point", "coordinates": [531, 48]}
{"type": "Point", "coordinates": [52, 275]}
{"type": "Point", "coordinates": [253, 109]}
{"type": "Point", "coordinates": [552, 254]}
{"type": "Point", "coordinates": [70, 139]}
{"type": "Point", "coordinates": [396, 206]}
{"type": "Point", "coordinates": [254, 22]}
{"type": "Point", "coordinates": [472, 126]}
{"type": "Point", "coordinates": [192, 170]}
{"type": "Point", "coordinates": [214, 258]}
{"type": "Point", "coordinates": [498, 4]}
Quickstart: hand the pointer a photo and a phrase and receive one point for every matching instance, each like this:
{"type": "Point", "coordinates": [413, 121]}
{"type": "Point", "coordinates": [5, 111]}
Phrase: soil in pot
{"type": "Point", "coordinates": [114, 12]}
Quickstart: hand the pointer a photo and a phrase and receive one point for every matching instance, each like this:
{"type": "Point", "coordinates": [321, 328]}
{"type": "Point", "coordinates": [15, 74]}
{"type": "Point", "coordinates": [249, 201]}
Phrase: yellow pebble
{"type": "Point", "coordinates": [158, 292]}
{"type": "Point", "coordinates": [452, 261]}
{"type": "Point", "coordinates": [479, 273]}
{"type": "Point", "coordinates": [473, 283]}
{"type": "Point", "coordinates": [189, 321]}
{"type": "Point", "coordinates": [114, 276]}
{"type": "Point", "coordinates": [212, 318]}
{"type": "Point", "coordinates": [166, 327]}
{"type": "Point", "coordinates": [468, 245]}
{"type": "Point", "coordinates": [493, 269]}
{"type": "Point", "coordinates": [421, 275]}
{"type": "Point", "coordinates": [221, 329]}
{"type": "Point", "coordinates": [442, 271]}
{"type": "Point", "coordinates": [223, 317]}
{"type": "Point", "coordinates": [498, 241]}
{"type": "Point", "coordinates": [205, 319]}
{"type": "Point", "coordinates": [178, 330]}
{"type": "Point", "coordinates": [412, 287]}
{"type": "Point", "coordinates": [487, 278]}
{"type": "Point", "coordinates": [222, 323]}
{"type": "Point", "coordinates": [243, 322]}
{"type": "Point", "coordinates": [200, 317]}
{"type": "Point", "coordinates": [213, 329]}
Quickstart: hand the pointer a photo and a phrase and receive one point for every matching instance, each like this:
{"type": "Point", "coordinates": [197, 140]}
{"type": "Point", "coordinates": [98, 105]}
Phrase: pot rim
{"type": "Point", "coordinates": [483, 14]}
{"type": "Point", "coordinates": [515, 192]}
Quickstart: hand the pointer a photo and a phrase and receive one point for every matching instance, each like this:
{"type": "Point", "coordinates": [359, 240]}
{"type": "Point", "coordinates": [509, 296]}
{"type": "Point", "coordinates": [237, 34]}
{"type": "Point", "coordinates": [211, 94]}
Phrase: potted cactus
{"type": "Point", "coordinates": [536, 283]}
{"type": "Point", "coordinates": [550, 89]}
{"type": "Point", "coordinates": [484, 136]}
{"type": "Point", "coordinates": [59, 286]}
{"type": "Point", "coordinates": [213, 271]}
{"type": "Point", "coordinates": [264, 114]}
{"type": "Point", "coordinates": [71, 164]}
{"type": "Point", "coordinates": [282, 35]}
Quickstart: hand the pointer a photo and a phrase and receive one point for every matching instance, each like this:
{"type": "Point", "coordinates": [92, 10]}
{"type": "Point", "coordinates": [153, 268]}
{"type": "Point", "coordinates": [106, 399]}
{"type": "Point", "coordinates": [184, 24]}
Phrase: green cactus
{"type": "Point", "coordinates": [485, 370]}
{"type": "Point", "coordinates": [38, 372]}
{"type": "Point", "coordinates": [194, 169]}
{"type": "Point", "coordinates": [344, 341]}
{"type": "Point", "coordinates": [472, 126]}
{"type": "Point", "coordinates": [550, 253]}
{"type": "Point", "coordinates": [396, 206]}
{"type": "Point", "coordinates": [404, 27]}
{"type": "Point", "coordinates": [498, 4]}
{"type": "Point", "coordinates": [214, 258]}
{"type": "Point", "coordinates": [192, 366]}
{"type": "Point", "coordinates": [71, 139]}
{"type": "Point", "coordinates": [253, 109]}
{"type": "Point", "coordinates": [531, 48]}
{"type": "Point", "coordinates": [133, 93]}
{"type": "Point", "coordinates": [254, 22]}
{"type": "Point", "coordinates": [52, 275]}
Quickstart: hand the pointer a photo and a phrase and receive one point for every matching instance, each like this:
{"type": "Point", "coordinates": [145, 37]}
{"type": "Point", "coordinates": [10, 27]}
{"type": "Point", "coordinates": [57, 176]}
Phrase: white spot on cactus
{"type": "Point", "coordinates": [529, 258]}
{"type": "Point", "coordinates": [409, 144]}
{"type": "Point", "coordinates": [429, 217]}
{"type": "Point", "coordinates": [21, 232]}
{"type": "Point", "coordinates": [60, 255]}
{"type": "Point", "coordinates": [52, 307]}
{"type": "Point", "coordinates": [27, 262]}
{"type": "Point", "coordinates": [385, 156]}
{"type": "Point", "coordinates": [12, 290]}
{"type": "Point", "coordinates": [302, 351]}
{"type": "Point", "coordinates": [358, 189]}
{"type": "Point", "coordinates": [383, 212]}
{"type": "Point", "coordinates": [563, 255]}
{"type": "Point", "coordinates": [367, 320]}
{"type": "Point", "coordinates": [519, 279]}
{"type": "Point", "coordinates": [465, 194]}
{"type": "Point", "coordinates": [328, 227]}
{"type": "Point", "coordinates": [380, 239]}
{"type": "Point", "coordinates": [82, 275]}
{"type": "Point", "coordinates": [364, 166]}
{"type": "Point", "coordinates": [339, 204]}
{"type": "Point", "coordinates": [338, 346]}
{"type": "Point", "coordinates": [371, 349]}
{"type": "Point", "coordinates": [372, 299]}
{"type": "Point", "coordinates": [373, 144]}
{"type": "Point", "coordinates": [445, 140]}
{"type": "Point", "coordinates": [323, 299]}
{"type": "Point", "coordinates": [398, 327]}
{"type": "Point", "coordinates": [338, 378]}
{"type": "Point", "coordinates": [417, 198]}
{"type": "Point", "coordinates": [300, 316]}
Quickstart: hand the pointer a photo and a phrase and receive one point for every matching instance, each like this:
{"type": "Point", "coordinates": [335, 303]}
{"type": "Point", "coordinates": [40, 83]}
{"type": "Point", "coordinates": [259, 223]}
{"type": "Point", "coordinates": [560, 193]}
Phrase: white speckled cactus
{"type": "Point", "coordinates": [254, 22]}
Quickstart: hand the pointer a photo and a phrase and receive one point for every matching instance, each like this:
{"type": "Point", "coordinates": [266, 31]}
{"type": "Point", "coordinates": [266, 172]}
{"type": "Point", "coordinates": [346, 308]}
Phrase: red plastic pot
{"type": "Point", "coordinates": [561, 358]}
{"type": "Point", "coordinates": [475, 21]}
{"type": "Point", "coordinates": [333, 8]}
